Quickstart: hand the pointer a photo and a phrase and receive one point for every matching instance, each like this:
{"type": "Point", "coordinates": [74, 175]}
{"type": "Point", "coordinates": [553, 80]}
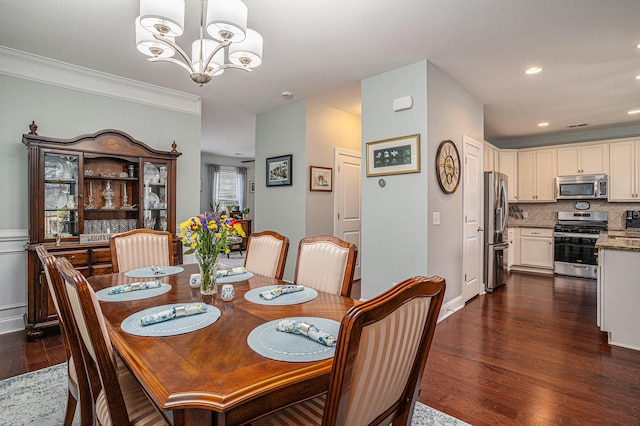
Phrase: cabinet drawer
{"type": "Point", "coordinates": [101, 269]}
{"type": "Point", "coordinates": [536, 232]}
{"type": "Point", "coordinates": [76, 257]}
{"type": "Point", "coordinates": [101, 255]}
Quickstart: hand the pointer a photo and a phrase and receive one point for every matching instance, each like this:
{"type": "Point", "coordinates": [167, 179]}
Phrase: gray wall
{"type": "Point", "coordinates": [282, 209]}
{"type": "Point", "coordinates": [452, 112]}
{"type": "Point", "coordinates": [66, 113]}
{"type": "Point", "coordinates": [394, 224]}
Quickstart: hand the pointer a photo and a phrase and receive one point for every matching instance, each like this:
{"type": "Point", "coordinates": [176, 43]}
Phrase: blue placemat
{"type": "Point", "coordinates": [148, 273]}
{"type": "Point", "coordinates": [132, 295]}
{"type": "Point", "coordinates": [181, 325]}
{"type": "Point", "coordinates": [235, 278]}
{"type": "Point", "coordinates": [286, 299]}
{"type": "Point", "coordinates": [281, 346]}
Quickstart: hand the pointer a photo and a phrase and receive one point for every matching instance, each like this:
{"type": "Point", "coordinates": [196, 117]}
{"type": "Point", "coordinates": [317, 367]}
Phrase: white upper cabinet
{"type": "Point", "coordinates": [583, 159]}
{"type": "Point", "coordinates": [509, 166]}
{"type": "Point", "coordinates": [624, 173]}
{"type": "Point", "coordinates": [536, 175]}
{"type": "Point", "coordinates": [491, 158]}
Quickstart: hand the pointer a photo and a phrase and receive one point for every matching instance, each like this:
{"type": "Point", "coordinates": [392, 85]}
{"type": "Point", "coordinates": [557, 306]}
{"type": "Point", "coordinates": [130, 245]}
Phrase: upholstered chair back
{"type": "Point", "coordinates": [267, 254]}
{"type": "Point", "coordinates": [141, 248]}
{"type": "Point", "coordinates": [327, 264]}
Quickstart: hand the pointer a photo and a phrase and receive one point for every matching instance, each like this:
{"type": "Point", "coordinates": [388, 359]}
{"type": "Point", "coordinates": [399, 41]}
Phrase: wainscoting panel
{"type": "Point", "coordinates": [13, 284]}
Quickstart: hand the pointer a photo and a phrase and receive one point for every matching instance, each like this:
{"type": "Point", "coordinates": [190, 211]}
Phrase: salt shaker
{"type": "Point", "coordinates": [227, 293]}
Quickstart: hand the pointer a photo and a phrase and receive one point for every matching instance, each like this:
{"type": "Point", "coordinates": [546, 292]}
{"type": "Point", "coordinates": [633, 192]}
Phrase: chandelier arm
{"type": "Point", "coordinates": [190, 70]}
{"type": "Point", "coordinates": [238, 67]}
{"type": "Point", "coordinates": [216, 50]}
{"type": "Point", "coordinates": [189, 67]}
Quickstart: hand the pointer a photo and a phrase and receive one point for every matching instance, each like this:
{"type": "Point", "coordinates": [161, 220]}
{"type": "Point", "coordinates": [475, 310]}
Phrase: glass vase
{"type": "Point", "coordinates": [208, 265]}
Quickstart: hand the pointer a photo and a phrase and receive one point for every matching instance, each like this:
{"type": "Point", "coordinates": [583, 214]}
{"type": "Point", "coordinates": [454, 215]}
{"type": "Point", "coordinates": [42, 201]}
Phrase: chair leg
{"type": "Point", "coordinates": [71, 409]}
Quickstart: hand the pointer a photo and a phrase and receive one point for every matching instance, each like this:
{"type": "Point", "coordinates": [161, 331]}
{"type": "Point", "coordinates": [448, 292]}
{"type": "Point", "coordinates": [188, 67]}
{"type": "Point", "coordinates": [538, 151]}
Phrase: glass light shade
{"type": "Point", "coordinates": [198, 60]}
{"type": "Point", "coordinates": [162, 16]}
{"type": "Point", "coordinates": [148, 45]}
{"type": "Point", "coordinates": [247, 52]}
{"type": "Point", "coordinates": [227, 20]}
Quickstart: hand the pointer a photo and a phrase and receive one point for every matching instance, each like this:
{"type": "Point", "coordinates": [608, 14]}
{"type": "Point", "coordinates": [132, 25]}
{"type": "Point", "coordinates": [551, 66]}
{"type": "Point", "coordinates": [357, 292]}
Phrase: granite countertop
{"type": "Point", "coordinates": [619, 240]}
{"type": "Point", "coordinates": [524, 225]}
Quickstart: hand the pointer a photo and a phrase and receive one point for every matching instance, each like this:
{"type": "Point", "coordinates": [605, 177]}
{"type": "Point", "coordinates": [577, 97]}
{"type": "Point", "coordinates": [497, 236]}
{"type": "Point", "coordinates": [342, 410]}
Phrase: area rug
{"type": "Point", "coordinates": [39, 398]}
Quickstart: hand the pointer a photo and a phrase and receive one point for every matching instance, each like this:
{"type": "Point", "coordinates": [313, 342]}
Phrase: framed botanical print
{"type": "Point", "coordinates": [394, 156]}
{"type": "Point", "coordinates": [321, 179]}
{"type": "Point", "coordinates": [279, 170]}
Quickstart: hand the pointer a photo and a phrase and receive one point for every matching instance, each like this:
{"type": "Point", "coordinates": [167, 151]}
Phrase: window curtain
{"type": "Point", "coordinates": [212, 172]}
{"type": "Point", "coordinates": [242, 187]}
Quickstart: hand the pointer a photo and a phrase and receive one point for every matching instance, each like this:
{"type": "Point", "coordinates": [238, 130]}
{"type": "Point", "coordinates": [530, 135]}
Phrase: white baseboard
{"type": "Point", "coordinates": [13, 323]}
{"type": "Point", "coordinates": [450, 308]}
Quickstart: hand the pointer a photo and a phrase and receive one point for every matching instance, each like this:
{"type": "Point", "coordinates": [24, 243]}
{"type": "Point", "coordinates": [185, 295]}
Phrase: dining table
{"type": "Point", "coordinates": [212, 376]}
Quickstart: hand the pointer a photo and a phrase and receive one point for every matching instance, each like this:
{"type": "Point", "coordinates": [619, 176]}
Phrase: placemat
{"type": "Point", "coordinates": [235, 278]}
{"type": "Point", "coordinates": [132, 295]}
{"type": "Point", "coordinates": [148, 273]}
{"type": "Point", "coordinates": [286, 299]}
{"type": "Point", "coordinates": [282, 346]}
{"type": "Point", "coordinates": [181, 325]}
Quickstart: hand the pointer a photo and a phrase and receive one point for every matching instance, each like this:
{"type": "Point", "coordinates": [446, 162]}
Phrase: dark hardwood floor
{"type": "Point", "coordinates": [528, 354]}
{"type": "Point", "coordinates": [531, 353]}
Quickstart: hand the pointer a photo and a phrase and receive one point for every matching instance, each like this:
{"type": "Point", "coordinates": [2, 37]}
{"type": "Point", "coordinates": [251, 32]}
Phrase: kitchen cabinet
{"type": "Point", "coordinates": [491, 158]}
{"type": "Point", "coordinates": [536, 175]}
{"type": "Point", "coordinates": [536, 247]}
{"type": "Point", "coordinates": [624, 173]}
{"type": "Point", "coordinates": [583, 159]}
{"type": "Point", "coordinates": [509, 166]}
{"type": "Point", "coordinates": [81, 190]}
{"type": "Point", "coordinates": [513, 236]}
{"type": "Point", "coordinates": [618, 296]}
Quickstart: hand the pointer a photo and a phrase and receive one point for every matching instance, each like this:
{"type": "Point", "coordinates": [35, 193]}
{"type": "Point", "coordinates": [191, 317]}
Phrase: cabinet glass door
{"type": "Point", "coordinates": [155, 195]}
{"type": "Point", "coordinates": [60, 196]}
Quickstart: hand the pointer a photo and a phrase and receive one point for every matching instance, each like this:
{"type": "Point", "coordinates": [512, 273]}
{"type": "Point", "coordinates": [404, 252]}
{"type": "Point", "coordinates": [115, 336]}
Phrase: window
{"type": "Point", "coordinates": [228, 187]}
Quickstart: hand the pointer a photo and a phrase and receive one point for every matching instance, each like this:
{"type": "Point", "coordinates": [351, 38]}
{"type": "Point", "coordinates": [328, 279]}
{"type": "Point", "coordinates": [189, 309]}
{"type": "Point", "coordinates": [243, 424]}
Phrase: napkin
{"type": "Point", "coordinates": [157, 270]}
{"type": "Point", "coordinates": [124, 288]}
{"type": "Point", "coordinates": [175, 312]}
{"type": "Point", "coordinates": [228, 272]}
{"type": "Point", "coordinates": [306, 329]}
{"type": "Point", "coordinates": [281, 289]}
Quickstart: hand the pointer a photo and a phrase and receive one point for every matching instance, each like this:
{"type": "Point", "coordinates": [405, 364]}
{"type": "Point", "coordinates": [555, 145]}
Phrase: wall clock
{"type": "Point", "coordinates": [448, 167]}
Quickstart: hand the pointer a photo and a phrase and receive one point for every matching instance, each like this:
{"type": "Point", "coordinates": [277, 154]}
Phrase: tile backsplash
{"type": "Point", "coordinates": [546, 214]}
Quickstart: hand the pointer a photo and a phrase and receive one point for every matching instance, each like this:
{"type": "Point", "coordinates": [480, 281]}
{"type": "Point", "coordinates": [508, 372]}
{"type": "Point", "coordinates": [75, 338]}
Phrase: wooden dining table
{"type": "Point", "coordinates": [211, 376]}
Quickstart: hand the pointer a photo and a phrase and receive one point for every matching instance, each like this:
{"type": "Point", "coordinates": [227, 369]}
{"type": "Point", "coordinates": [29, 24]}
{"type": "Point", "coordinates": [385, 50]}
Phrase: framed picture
{"type": "Point", "coordinates": [321, 179]}
{"type": "Point", "coordinates": [279, 170]}
{"type": "Point", "coordinates": [394, 156]}
{"type": "Point", "coordinates": [252, 186]}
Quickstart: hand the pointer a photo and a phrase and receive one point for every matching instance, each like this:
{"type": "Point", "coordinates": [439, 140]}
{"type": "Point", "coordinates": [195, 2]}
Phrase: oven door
{"type": "Point", "coordinates": [575, 254]}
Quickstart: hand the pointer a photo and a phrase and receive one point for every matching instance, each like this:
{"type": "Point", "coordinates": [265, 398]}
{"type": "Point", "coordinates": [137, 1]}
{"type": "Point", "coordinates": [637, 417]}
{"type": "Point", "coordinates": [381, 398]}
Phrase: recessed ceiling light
{"type": "Point", "coordinates": [638, 77]}
{"type": "Point", "coordinates": [545, 124]}
{"type": "Point", "coordinates": [533, 70]}
{"type": "Point", "coordinates": [634, 111]}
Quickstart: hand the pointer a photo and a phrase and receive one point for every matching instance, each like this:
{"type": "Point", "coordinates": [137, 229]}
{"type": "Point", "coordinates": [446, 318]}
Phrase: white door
{"type": "Point", "coordinates": [347, 200]}
{"type": "Point", "coordinates": [472, 209]}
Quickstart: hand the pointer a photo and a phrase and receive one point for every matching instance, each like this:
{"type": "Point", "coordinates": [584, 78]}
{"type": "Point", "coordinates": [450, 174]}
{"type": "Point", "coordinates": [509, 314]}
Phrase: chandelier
{"type": "Point", "coordinates": [234, 45]}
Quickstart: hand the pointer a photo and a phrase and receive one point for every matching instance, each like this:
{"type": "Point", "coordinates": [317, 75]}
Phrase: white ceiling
{"type": "Point", "coordinates": [322, 49]}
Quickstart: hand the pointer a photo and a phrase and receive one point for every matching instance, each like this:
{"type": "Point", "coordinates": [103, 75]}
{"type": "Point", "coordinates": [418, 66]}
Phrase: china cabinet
{"type": "Point", "coordinates": [84, 189]}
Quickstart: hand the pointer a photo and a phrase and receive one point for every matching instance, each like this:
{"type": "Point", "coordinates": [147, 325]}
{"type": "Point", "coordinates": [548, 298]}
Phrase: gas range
{"type": "Point", "coordinates": [575, 237]}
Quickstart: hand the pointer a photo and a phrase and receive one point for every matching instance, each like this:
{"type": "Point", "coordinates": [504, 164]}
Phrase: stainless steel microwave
{"type": "Point", "coordinates": [581, 187]}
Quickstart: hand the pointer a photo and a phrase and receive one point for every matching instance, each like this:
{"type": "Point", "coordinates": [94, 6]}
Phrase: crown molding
{"type": "Point", "coordinates": [49, 71]}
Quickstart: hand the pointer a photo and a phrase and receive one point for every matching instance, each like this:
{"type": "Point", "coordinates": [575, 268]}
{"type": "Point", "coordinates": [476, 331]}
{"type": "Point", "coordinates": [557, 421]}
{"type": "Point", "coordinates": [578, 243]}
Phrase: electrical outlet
{"type": "Point", "coordinates": [525, 214]}
{"type": "Point", "coordinates": [436, 218]}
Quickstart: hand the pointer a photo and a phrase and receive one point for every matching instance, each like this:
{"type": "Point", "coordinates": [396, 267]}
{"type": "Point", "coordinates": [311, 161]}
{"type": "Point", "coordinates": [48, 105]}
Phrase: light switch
{"type": "Point", "coordinates": [436, 218]}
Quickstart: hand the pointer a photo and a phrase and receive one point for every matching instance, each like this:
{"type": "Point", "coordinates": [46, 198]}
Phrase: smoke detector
{"type": "Point", "coordinates": [287, 94]}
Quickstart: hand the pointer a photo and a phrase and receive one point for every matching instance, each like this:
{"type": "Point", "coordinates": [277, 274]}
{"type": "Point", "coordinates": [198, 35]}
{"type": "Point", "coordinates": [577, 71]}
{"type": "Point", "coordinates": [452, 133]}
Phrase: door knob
{"type": "Point", "coordinates": [480, 229]}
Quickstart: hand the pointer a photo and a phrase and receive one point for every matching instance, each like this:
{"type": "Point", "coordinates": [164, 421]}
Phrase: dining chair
{"type": "Point", "coordinates": [326, 263]}
{"type": "Point", "coordinates": [380, 356]}
{"type": "Point", "coordinates": [141, 248]}
{"type": "Point", "coordinates": [267, 254]}
{"type": "Point", "coordinates": [79, 390]}
{"type": "Point", "coordinates": [119, 398]}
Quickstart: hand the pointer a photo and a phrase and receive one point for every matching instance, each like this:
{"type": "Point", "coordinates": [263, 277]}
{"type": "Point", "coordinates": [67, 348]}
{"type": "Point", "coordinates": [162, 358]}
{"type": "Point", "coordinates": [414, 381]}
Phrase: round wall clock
{"type": "Point", "coordinates": [448, 167]}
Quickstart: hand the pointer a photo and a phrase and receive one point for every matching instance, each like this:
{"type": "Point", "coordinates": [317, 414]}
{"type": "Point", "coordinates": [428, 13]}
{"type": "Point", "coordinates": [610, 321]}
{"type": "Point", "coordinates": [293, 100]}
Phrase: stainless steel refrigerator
{"type": "Point", "coordinates": [496, 243]}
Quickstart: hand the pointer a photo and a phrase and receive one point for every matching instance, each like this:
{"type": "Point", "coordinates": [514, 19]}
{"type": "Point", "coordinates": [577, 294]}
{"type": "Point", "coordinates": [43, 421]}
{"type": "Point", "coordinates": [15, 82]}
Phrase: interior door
{"type": "Point", "coordinates": [347, 200]}
{"type": "Point", "coordinates": [472, 234]}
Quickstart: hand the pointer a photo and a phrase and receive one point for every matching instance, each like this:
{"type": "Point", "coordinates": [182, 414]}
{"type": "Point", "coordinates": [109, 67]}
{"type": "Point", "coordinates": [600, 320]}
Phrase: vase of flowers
{"type": "Point", "coordinates": [206, 236]}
